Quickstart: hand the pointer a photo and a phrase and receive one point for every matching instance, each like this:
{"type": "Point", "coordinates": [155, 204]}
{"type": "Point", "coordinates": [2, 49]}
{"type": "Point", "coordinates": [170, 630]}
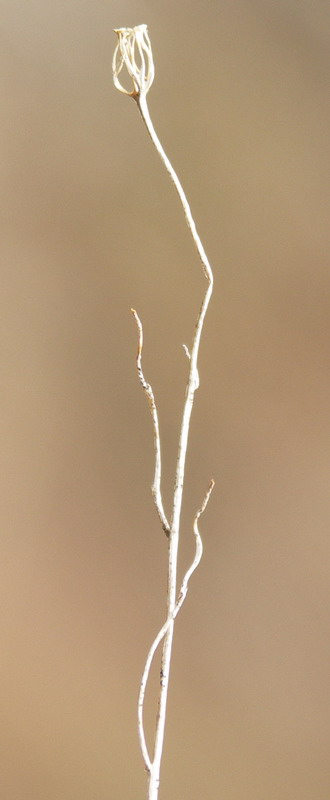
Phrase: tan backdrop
{"type": "Point", "coordinates": [90, 227]}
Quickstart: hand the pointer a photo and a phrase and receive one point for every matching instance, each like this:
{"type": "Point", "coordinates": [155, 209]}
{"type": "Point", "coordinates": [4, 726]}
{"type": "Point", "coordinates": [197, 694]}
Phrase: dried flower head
{"type": "Point", "coordinates": [134, 51]}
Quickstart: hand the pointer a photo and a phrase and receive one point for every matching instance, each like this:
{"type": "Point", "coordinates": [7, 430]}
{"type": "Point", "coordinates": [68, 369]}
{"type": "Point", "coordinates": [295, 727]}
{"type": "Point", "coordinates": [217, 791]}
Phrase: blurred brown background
{"type": "Point", "coordinates": [90, 227]}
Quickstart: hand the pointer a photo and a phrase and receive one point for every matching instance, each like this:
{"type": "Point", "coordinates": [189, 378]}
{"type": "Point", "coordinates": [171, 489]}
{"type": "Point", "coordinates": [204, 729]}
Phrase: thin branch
{"type": "Point", "coordinates": [160, 635]}
{"type": "Point", "coordinates": [156, 490]}
{"type": "Point", "coordinates": [141, 101]}
{"type": "Point", "coordinates": [198, 551]}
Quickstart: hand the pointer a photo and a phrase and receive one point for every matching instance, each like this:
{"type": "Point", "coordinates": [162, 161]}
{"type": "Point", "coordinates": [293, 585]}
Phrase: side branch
{"type": "Point", "coordinates": [160, 635]}
{"type": "Point", "coordinates": [198, 551]}
{"type": "Point", "coordinates": [156, 490]}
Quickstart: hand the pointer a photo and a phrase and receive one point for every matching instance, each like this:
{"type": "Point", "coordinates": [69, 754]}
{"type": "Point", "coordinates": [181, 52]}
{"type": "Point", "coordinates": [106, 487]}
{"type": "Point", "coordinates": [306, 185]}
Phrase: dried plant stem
{"type": "Point", "coordinates": [134, 52]}
{"type": "Point", "coordinates": [153, 766]}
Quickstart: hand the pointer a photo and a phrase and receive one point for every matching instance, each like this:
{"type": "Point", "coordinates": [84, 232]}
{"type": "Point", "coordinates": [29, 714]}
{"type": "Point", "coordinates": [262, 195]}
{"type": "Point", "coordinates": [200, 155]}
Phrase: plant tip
{"type": "Point", "coordinates": [134, 52]}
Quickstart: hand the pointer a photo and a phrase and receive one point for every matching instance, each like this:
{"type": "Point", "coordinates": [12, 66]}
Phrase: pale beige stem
{"type": "Point", "coordinates": [192, 385]}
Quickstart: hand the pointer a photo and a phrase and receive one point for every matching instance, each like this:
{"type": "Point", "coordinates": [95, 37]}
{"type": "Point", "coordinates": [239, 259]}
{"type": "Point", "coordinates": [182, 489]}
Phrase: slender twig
{"type": "Point", "coordinates": [134, 52]}
{"type": "Point", "coordinates": [156, 490]}
{"type": "Point", "coordinates": [160, 635]}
